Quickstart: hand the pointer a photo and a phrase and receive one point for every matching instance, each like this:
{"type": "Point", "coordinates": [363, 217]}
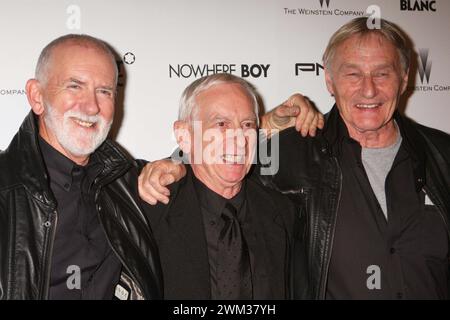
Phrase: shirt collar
{"type": "Point", "coordinates": [63, 171]}
{"type": "Point", "coordinates": [215, 202]}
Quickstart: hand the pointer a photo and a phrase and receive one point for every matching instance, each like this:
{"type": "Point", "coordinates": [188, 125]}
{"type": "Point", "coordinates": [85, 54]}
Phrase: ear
{"type": "Point", "coordinates": [329, 81]}
{"type": "Point", "coordinates": [34, 96]}
{"type": "Point", "coordinates": [183, 135]}
{"type": "Point", "coordinates": [405, 79]}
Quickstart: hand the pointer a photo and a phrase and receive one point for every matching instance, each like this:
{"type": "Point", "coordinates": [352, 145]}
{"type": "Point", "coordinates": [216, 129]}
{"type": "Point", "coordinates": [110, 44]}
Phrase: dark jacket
{"type": "Point", "coordinates": [310, 174]}
{"type": "Point", "coordinates": [28, 219]}
{"type": "Point", "coordinates": [179, 231]}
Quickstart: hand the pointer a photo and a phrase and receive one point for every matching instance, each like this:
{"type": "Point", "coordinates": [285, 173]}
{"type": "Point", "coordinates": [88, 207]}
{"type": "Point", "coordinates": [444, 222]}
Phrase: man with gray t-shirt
{"type": "Point", "coordinates": [377, 163]}
{"type": "Point", "coordinates": [375, 185]}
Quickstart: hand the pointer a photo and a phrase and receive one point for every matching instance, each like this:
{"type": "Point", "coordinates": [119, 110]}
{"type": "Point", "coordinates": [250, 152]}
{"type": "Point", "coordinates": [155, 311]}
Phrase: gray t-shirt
{"type": "Point", "coordinates": [377, 163]}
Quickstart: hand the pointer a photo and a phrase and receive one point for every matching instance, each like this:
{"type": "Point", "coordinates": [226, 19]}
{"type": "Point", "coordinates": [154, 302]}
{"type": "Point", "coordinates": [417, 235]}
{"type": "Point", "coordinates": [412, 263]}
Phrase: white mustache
{"type": "Point", "coordinates": [81, 116]}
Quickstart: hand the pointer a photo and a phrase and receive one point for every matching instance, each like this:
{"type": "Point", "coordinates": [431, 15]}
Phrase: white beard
{"type": "Point", "coordinates": [75, 140]}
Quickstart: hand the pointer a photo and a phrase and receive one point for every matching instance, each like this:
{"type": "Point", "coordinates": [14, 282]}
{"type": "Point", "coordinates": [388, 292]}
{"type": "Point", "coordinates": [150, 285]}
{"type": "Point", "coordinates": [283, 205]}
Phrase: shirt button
{"type": "Point", "coordinates": [399, 295]}
{"type": "Point", "coordinates": [47, 224]}
{"type": "Point", "coordinates": [66, 186]}
{"type": "Point", "coordinates": [392, 250]}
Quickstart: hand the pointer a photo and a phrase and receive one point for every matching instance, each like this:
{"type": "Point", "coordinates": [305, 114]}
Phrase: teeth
{"type": "Point", "coordinates": [84, 123]}
{"type": "Point", "coordinates": [367, 106]}
{"type": "Point", "coordinates": [231, 158]}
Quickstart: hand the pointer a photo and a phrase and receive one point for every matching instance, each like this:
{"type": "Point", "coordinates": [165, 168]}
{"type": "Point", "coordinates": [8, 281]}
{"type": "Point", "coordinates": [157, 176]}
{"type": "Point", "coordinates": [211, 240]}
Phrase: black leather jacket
{"type": "Point", "coordinates": [28, 219]}
{"type": "Point", "coordinates": [309, 172]}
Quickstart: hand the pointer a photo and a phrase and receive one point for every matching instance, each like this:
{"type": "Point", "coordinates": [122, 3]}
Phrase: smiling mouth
{"type": "Point", "coordinates": [368, 105]}
{"type": "Point", "coordinates": [85, 124]}
{"type": "Point", "coordinates": [233, 159]}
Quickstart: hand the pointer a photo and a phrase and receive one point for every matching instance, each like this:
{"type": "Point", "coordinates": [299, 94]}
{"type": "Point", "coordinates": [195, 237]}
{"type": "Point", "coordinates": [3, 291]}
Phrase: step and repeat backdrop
{"type": "Point", "coordinates": [163, 45]}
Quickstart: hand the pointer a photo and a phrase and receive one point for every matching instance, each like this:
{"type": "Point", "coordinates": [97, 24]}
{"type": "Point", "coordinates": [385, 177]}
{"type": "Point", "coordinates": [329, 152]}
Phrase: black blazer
{"type": "Point", "coordinates": [179, 232]}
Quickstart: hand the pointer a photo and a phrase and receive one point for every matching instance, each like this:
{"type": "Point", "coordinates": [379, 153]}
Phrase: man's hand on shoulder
{"type": "Point", "coordinates": [297, 111]}
{"type": "Point", "coordinates": [156, 176]}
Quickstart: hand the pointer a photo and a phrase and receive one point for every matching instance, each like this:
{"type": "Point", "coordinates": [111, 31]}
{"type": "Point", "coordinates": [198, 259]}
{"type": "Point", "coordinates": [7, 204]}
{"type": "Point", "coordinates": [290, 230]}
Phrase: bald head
{"type": "Point", "coordinates": [46, 57]}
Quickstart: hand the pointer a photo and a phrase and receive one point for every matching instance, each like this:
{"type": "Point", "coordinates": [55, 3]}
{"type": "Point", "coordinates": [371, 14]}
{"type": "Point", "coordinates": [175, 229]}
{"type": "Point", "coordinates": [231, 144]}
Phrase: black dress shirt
{"type": "Point", "coordinates": [80, 245]}
{"type": "Point", "coordinates": [212, 205]}
{"type": "Point", "coordinates": [408, 253]}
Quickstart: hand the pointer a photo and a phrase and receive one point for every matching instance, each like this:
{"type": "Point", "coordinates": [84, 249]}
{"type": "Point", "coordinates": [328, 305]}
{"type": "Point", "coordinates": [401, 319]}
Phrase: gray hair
{"type": "Point", "coordinates": [44, 61]}
{"type": "Point", "coordinates": [188, 104]}
{"type": "Point", "coordinates": [359, 26]}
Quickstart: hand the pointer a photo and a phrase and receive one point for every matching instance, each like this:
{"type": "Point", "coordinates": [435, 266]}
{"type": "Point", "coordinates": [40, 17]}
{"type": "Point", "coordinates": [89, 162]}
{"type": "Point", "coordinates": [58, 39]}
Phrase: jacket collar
{"type": "Point", "coordinates": [28, 164]}
{"type": "Point", "coordinates": [335, 130]}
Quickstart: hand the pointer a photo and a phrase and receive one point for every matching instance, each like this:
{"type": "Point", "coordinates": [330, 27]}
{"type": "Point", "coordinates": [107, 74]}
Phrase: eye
{"type": "Point", "coordinates": [381, 74]}
{"type": "Point", "coordinates": [249, 125]}
{"type": "Point", "coordinates": [221, 124]}
{"type": "Point", "coordinates": [105, 92]}
{"type": "Point", "coordinates": [73, 86]}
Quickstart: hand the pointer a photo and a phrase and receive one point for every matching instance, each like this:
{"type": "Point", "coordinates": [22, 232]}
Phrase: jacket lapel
{"type": "Point", "coordinates": [267, 240]}
{"type": "Point", "coordinates": [263, 208]}
{"type": "Point", "coordinates": [185, 222]}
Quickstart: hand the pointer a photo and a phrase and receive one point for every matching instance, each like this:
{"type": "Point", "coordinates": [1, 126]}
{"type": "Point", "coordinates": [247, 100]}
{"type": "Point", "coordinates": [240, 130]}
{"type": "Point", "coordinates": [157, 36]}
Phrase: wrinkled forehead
{"type": "Point", "coordinates": [226, 98]}
{"type": "Point", "coordinates": [371, 43]}
{"type": "Point", "coordinates": [368, 50]}
{"type": "Point", "coordinates": [71, 53]}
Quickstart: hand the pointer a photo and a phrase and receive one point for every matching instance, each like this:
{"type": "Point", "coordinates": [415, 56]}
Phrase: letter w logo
{"type": "Point", "coordinates": [424, 67]}
{"type": "Point", "coordinates": [326, 1]}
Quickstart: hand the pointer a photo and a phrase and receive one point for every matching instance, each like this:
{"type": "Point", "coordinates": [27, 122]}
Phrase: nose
{"type": "Point", "coordinates": [235, 141]}
{"type": "Point", "coordinates": [369, 89]}
{"type": "Point", "coordinates": [91, 105]}
{"type": "Point", "coordinates": [240, 139]}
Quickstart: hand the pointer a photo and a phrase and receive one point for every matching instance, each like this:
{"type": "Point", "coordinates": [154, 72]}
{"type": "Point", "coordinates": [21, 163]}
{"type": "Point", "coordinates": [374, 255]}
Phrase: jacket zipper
{"type": "Point", "coordinates": [49, 224]}
{"type": "Point", "coordinates": [324, 275]}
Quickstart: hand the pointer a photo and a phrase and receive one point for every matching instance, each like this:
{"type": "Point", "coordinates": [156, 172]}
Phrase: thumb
{"type": "Point", "coordinates": [166, 179]}
{"type": "Point", "coordinates": [285, 111]}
